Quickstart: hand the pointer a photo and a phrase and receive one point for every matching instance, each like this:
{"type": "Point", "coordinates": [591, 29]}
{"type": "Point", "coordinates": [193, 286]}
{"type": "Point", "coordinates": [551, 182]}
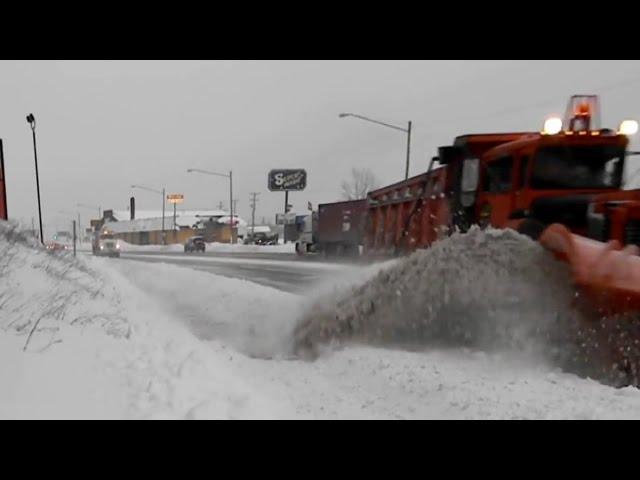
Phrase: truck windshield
{"type": "Point", "coordinates": [107, 236]}
{"type": "Point", "coordinates": [578, 167]}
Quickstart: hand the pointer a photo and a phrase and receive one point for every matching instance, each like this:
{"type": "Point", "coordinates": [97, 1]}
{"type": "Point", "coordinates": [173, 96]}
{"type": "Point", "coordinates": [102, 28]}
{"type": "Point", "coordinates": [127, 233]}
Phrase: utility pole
{"type": "Point", "coordinates": [74, 238]}
{"type": "Point", "coordinates": [235, 206]}
{"type": "Point", "coordinates": [164, 202]}
{"type": "Point", "coordinates": [254, 200]}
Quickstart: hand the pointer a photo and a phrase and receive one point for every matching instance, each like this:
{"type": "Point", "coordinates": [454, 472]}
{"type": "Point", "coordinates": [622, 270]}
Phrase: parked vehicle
{"type": "Point", "coordinates": [261, 236]}
{"type": "Point", "coordinates": [195, 244]}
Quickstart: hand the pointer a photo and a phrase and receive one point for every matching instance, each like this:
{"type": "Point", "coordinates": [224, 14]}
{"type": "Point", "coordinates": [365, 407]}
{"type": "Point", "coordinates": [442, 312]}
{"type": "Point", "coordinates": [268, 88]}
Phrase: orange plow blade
{"type": "Point", "coordinates": [606, 273]}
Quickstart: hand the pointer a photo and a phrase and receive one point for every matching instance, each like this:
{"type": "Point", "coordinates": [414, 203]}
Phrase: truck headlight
{"type": "Point", "coordinates": [628, 127]}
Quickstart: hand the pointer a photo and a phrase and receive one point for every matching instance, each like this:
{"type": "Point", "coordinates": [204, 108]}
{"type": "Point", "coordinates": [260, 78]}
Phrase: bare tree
{"type": "Point", "coordinates": [362, 181]}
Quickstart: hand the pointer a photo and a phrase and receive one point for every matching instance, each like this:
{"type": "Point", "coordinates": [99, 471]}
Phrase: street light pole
{"type": "Point", "coordinates": [406, 172]}
{"type": "Point", "coordinates": [32, 122]}
{"type": "Point", "coordinates": [395, 127]}
{"type": "Point", "coordinates": [164, 236]}
{"type": "Point", "coordinates": [163, 205]}
{"type": "Point", "coordinates": [231, 206]}
{"type": "Point", "coordinates": [230, 177]}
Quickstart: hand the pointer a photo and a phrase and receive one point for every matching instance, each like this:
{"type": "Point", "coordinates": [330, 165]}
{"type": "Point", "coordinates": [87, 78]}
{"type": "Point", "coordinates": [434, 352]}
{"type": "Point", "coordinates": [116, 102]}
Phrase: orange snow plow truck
{"type": "Point", "coordinates": [562, 186]}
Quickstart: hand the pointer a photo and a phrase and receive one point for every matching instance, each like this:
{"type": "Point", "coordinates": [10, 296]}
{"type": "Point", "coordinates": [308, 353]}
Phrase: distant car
{"type": "Point", "coordinates": [195, 244]}
{"type": "Point", "coordinates": [56, 247]}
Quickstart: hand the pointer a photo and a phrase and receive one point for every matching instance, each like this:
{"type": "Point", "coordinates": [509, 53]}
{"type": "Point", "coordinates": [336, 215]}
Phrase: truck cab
{"type": "Point", "coordinates": [569, 173]}
{"type": "Point", "coordinates": [105, 243]}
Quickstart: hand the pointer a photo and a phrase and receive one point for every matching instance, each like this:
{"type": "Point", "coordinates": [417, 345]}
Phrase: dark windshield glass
{"type": "Point", "coordinates": [107, 236]}
{"type": "Point", "coordinates": [598, 166]}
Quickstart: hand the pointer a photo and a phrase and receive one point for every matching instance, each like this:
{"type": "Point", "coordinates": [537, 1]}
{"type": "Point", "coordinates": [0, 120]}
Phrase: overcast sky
{"type": "Point", "coordinates": [104, 125]}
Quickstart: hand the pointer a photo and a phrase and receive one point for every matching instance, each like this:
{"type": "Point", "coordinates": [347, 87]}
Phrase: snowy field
{"type": "Point", "coordinates": [95, 338]}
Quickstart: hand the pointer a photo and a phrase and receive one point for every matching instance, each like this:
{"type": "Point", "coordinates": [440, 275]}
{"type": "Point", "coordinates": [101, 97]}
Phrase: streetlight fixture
{"type": "Point", "coordinates": [164, 239]}
{"type": "Point", "coordinates": [395, 127]}
{"type": "Point", "coordinates": [230, 177]}
{"type": "Point", "coordinates": [32, 123]}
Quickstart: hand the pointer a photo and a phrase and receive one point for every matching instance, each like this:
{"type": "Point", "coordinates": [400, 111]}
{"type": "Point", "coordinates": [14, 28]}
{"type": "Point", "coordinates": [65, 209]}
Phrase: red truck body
{"type": "Point", "coordinates": [340, 227]}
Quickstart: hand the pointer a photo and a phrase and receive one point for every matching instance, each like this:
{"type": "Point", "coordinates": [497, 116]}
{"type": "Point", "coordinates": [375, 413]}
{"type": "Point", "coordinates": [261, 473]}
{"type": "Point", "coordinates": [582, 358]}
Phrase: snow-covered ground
{"type": "Point", "coordinates": [116, 339]}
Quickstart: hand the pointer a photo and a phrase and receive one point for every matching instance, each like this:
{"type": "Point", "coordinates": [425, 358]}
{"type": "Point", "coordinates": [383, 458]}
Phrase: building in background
{"type": "Point", "coordinates": [146, 228]}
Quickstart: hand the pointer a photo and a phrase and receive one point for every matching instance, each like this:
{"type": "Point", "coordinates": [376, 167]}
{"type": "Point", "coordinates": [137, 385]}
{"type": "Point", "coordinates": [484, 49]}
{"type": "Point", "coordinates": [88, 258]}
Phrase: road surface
{"type": "Point", "coordinates": [286, 272]}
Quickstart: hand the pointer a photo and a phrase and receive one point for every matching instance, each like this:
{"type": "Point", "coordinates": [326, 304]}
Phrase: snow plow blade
{"type": "Point", "coordinates": [606, 273]}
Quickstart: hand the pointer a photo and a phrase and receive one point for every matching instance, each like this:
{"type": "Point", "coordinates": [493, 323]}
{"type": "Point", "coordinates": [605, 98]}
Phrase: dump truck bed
{"type": "Point", "coordinates": [341, 222]}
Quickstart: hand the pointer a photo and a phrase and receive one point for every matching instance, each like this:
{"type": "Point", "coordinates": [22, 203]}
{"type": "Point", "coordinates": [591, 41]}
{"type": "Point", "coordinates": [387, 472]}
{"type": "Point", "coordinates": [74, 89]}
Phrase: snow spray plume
{"type": "Point", "coordinates": [486, 289]}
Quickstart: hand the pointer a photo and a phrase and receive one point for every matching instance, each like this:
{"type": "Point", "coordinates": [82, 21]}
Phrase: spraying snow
{"type": "Point", "coordinates": [486, 289]}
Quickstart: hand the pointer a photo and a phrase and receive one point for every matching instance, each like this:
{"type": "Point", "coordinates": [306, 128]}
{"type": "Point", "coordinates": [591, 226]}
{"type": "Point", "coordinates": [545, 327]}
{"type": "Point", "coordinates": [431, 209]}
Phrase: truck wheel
{"type": "Point", "coordinates": [532, 228]}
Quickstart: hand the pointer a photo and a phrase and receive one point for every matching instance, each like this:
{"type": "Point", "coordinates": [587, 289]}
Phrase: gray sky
{"type": "Point", "coordinates": [104, 125]}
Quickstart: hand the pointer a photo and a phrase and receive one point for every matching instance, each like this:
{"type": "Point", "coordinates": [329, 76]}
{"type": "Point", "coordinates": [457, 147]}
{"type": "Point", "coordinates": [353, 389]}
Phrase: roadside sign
{"type": "Point", "coordinates": [285, 218]}
{"type": "Point", "coordinates": [287, 180]}
{"type": "Point", "coordinates": [175, 198]}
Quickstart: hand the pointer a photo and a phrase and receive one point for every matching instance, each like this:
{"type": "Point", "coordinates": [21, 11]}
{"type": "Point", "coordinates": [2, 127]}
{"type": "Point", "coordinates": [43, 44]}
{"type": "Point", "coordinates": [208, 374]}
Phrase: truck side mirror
{"type": "Point", "coordinates": [449, 154]}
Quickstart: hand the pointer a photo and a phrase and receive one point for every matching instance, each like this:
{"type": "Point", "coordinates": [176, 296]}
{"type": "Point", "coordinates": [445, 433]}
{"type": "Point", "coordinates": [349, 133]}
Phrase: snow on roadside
{"type": "Point", "coordinates": [101, 348]}
{"type": "Point", "coordinates": [362, 381]}
{"type": "Point", "coordinates": [254, 319]}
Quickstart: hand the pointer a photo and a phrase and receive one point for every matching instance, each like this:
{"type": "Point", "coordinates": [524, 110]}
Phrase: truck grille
{"type": "Point", "coordinates": [632, 232]}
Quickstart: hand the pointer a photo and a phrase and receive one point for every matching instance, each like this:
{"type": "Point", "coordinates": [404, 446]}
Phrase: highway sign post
{"type": "Point", "coordinates": [287, 180]}
{"type": "Point", "coordinates": [175, 198]}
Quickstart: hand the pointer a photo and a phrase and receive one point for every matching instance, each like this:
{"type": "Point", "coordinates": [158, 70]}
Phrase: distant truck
{"type": "Point", "coordinates": [335, 230]}
{"type": "Point", "coordinates": [105, 244]}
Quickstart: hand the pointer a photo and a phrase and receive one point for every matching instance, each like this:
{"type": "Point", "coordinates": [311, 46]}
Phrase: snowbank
{"type": "Point", "coordinates": [79, 340]}
{"type": "Point", "coordinates": [255, 320]}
